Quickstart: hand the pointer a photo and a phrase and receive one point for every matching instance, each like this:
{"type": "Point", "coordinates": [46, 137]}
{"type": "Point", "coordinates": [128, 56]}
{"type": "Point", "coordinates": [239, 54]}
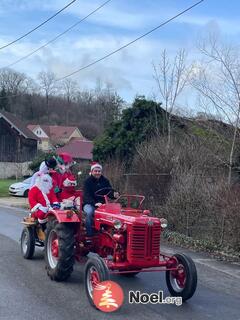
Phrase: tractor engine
{"type": "Point", "coordinates": [143, 242]}
{"type": "Point", "coordinates": [137, 241]}
{"type": "Point", "coordinates": [129, 235]}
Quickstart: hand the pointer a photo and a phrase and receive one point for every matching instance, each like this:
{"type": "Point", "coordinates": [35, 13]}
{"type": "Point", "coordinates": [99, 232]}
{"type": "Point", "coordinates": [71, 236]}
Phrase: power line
{"type": "Point", "coordinates": [131, 42]}
{"type": "Point", "coordinates": [57, 37]}
{"type": "Point", "coordinates": [37, 27]}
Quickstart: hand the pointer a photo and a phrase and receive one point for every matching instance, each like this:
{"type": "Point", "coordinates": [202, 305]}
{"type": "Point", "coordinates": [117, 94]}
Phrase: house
{"type": "Point", "coordinates": [43, 138]}
{"type": "Point", "coordinates": [18, 145]}
{"type": "Point", "coordinates": [80, 149]}
{"type": "Point", "coordinates": [51, 136]}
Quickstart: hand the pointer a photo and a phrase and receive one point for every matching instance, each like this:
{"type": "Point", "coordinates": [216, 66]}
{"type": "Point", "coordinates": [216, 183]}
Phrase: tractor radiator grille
{"type": "Point", "coordinates": [144, 242]}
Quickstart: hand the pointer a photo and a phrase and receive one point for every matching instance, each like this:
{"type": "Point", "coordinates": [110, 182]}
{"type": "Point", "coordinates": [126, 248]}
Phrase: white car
{"type": "Point", "coordinates": [20, 188]}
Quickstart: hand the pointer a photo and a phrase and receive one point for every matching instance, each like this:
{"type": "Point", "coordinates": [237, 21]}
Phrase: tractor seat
{"type": "Point", "coordinates": [29, 220]}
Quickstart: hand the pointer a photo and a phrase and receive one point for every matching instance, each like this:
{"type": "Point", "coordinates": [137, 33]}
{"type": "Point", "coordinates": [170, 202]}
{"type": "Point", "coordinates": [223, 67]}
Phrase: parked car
{"type": "Point", "coordinates": [20, 188]}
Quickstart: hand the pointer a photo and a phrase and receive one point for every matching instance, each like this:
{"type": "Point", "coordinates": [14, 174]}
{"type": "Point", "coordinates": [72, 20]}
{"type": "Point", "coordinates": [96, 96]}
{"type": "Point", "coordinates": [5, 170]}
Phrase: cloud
{"type": "Point", "coordinates": [129, 70]}
{"type": "Point", "coordinates": [110, 15]}
{"type": "Point", "coordinates": [114, 25]}
{"type": "Point", "coordinates": [228, 26]}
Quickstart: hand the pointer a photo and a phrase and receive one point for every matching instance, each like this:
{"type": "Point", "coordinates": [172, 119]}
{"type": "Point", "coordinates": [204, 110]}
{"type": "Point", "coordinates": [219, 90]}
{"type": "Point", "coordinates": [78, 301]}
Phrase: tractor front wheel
{"type": "Point", "coordinates": [59, 250]}
{"type": "Point", "coordinates": [183, 281]}
{"type": "Point", "coordinates": [96, 271]}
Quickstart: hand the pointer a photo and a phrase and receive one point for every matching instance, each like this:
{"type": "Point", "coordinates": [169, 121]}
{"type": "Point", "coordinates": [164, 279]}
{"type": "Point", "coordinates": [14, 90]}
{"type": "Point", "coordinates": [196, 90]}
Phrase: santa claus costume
{"type": "Point", "coordinates": [62, 172]}
{"type": "Point", "coordinates": [44, 168]}
{"type": "Point", "coordinates": [41, 197]}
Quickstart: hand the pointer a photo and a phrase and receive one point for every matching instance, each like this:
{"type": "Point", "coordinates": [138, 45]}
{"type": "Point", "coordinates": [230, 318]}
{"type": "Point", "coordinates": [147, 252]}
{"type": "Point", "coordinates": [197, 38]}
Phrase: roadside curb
{"type": "Point", "coordinates": [6, 205]}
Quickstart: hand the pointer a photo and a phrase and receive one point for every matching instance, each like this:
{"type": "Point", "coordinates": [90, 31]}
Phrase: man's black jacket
{"type": "Point", "coordinates": [91, 185]}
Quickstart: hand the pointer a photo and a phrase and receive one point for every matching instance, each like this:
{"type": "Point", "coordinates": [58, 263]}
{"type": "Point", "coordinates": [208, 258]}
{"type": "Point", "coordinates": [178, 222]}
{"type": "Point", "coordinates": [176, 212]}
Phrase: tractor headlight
{"type": "Point", "coordinates": [117, 224]}
{"type": "Point", "coordinates": [164, 223]}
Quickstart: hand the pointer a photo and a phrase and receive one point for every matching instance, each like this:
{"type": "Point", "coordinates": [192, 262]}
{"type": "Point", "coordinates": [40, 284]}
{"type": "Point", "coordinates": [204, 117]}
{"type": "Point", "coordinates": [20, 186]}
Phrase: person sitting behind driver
{"type": "Point", "coordinates": [44, 168]}
{"type": "Point", "coordinates": [92, 184]}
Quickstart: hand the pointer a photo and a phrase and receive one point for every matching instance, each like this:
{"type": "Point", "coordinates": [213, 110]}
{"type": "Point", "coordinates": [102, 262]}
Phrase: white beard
{"type": "Point", "coordinates": [44, 186]}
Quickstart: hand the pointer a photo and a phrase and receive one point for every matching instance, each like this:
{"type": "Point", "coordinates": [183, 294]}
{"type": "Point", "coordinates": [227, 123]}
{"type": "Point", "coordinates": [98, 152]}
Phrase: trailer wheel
{"type": "Point", "coordinates": [27, 243]}
{"type": "Point", "coordinates": [182, 282]}
{"type": "Point", "coordinates": [95, 272]}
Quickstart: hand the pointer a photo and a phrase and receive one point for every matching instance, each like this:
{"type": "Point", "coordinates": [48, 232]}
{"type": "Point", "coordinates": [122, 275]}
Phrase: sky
{"type": "Point", "coordinates": [129, 71]}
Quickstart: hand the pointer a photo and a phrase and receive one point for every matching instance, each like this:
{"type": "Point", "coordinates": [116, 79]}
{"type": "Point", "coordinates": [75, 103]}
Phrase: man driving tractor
{"type": "Point", "coordinates": [95, 182]}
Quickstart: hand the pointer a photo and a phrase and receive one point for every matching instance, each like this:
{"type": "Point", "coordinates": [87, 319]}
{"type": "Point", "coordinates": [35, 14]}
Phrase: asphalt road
{"type": "Point", "coordinates": [26, 292]}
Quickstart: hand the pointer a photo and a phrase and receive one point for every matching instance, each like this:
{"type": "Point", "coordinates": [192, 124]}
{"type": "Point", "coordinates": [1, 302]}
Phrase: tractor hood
{"type": "Point", "coordinates": [108, 214]}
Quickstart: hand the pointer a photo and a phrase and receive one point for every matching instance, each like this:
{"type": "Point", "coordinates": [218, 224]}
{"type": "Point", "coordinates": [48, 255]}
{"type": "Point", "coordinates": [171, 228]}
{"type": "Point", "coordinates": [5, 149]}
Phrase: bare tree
{"type": "Point", "coordinates": [48, 85]}
{"type": "Point", "coordinates": [218, 81]}
{"type": "Point", "coordinates": [69, 88]}
{"type": "Point", "coordinates": [15, 87]}
{"type": "Point", "coordinates": [12, 81]}
{"type": "Point", "coordinates": [171, 78]}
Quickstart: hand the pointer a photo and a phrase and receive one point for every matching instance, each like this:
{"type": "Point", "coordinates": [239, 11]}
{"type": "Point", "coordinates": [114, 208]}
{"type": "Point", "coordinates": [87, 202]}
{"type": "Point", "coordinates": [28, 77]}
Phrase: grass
{"type": "Point", "coordinates": [4, 185]}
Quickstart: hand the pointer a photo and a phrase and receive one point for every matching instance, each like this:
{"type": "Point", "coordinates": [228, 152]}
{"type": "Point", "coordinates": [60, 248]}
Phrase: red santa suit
{"type": "Point", "coordinates": [57, 179]}
{"type": "Point", "coordinates": [41, 196]}
{"type": "Point", "coordinates": [61, 173]}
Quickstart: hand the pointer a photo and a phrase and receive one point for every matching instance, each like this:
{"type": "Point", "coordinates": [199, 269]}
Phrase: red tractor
{"type": "Point", "coordinates": [126, 242]}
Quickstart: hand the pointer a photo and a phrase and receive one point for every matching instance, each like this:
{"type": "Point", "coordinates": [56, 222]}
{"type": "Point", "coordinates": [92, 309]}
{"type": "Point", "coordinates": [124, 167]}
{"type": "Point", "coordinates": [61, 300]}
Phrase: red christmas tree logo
{"type": "Point", "coordinates": [108, 296]}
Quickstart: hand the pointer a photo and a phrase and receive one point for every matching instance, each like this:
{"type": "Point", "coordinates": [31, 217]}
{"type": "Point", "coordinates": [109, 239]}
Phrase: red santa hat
{"type": "Point", "coordinates": [66, 157]}
{"type": "Point", "coordinates": [95, 165]}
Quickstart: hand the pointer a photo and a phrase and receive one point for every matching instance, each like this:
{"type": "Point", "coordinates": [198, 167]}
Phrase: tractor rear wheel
{"type": "Point", "coordinates": [59, 250]}
{"type": "Point", "coordinates": [27, 242]}
{"type": "Point", "coordinates": [183, 281]}
{"type": "Point", "coordinates": [96, 271]}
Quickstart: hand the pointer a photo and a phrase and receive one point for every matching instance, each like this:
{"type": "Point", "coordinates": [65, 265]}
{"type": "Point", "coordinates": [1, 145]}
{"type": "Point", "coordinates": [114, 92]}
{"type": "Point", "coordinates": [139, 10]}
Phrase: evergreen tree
{"type": "Point", "coordinates": [140, 122]}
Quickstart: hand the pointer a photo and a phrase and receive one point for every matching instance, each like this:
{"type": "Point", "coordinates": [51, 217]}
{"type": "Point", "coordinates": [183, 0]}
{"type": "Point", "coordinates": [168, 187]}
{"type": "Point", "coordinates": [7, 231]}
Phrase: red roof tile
{"type": "Point", "coordinates": [55, 132]}
{"type": "Point", "coordinates": [32, 126]}
{"type": "Point", "coordinates": [78, 149]}
{"type": "Point", "coordinates": [43, 127]}
{"type": "Point", "coordinates": [61, 132]}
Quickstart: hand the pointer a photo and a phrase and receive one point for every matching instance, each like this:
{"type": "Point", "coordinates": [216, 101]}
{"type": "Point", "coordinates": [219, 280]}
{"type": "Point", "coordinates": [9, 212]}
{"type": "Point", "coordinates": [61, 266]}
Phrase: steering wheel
{"type": "Point", "coordinates": [98, 192]}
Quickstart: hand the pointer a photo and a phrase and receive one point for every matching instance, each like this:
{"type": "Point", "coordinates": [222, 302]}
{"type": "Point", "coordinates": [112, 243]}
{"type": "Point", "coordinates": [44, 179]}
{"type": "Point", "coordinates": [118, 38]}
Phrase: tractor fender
{"type": "Point", "coordinates": [64, 216]}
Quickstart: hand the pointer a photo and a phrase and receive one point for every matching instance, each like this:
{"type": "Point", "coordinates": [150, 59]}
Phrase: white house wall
{"type": "Point", "coordinates": [40, 133]}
